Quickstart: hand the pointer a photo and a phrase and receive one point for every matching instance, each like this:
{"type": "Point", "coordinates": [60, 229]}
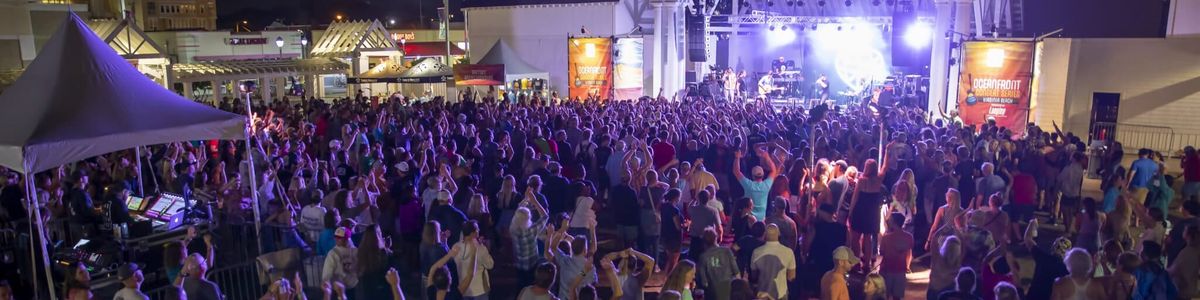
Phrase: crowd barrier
{"type": "Point", "coordinates": [1136, 136]}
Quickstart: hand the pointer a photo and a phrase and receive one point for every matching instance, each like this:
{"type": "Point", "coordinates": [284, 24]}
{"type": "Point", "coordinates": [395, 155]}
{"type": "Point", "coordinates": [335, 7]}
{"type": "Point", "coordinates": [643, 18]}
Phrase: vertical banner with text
{"type": "Point", "coordinates": [627, 76]}
{"type": "Point", "coordinates": [589, 67]}
{"type": "Point", "coordinates": [994, 84]}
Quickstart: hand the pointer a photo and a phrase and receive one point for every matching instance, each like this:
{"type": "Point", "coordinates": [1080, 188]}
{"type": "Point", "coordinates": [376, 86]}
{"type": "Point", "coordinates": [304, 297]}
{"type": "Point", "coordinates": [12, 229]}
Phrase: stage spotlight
{"type": "Point", "coordinates": [784, 27]}
{"type": "Point", "coordinates": [814, 26]}
{"type": "Point", "coordinates": [891, 2]}
{"type": "Point", "coordinates": [770, 3]}
{"type": "Point", "coordinates": [821, 3]}
{"type": "Point", "coordinates": [771, 28]}
{"type": "Point", "coordinates": [839, 27]}
{"type": "Point", "coordinates": [780, 38]}
{"type": "Point", "coordinates": [918, 35]}
{"type": "Point", "coordinates": [800, 3]}
{"type": "Point", "coordinates": [848, 3]}
{"type": "Point", "coordinates": [791, 3]}
{"type": "Point", "coordinates": [875, 3]}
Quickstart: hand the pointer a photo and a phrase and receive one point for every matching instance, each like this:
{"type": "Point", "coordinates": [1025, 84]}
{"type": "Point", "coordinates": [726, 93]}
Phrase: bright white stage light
{"type": "Point", "coordinates": [777, 38]}
{"type": "Point", "coordinates": [918, 35]}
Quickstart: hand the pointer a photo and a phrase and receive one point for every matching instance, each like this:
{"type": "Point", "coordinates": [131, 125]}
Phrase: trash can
{"type": "Point", "coordinates": [1095, 158]}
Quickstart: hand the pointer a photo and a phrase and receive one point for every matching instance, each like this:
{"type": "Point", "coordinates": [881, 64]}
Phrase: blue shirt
{"type": "Point", "coordinates": [569, 268]}
{"type": "Point", "coordinates": [757, 191]}
{"type": "Point", "coordinates": [1110, 200]}
{"type": "Point", "coordinates": [1143, 170]}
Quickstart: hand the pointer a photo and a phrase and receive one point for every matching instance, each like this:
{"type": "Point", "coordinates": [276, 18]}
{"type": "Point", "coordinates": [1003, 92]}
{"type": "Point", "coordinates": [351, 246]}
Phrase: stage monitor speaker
{"type": "Point", "coordinates": [905, 54]}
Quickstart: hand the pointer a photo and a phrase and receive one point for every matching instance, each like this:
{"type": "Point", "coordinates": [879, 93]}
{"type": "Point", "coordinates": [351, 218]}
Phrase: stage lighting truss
{"type": "Point", "coordinates": [775, 20]}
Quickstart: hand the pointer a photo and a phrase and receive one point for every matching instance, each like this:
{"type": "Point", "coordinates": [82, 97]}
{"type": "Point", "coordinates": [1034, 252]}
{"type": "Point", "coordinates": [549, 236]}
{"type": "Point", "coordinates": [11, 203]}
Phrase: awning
{"type": "Point", "coordinates": [431, 49]}
{"type": "Point", "coordinates": [479, 75]}
{"type": "Point", "coordinates": [126, 38]}
{"type": "Point", "coordinates": [427, 70]}
{"type": "Point", "coordinates": [387, 71]}
{"type": "Point", "coordinates": [204, 71]}
{"type": "Point", "coordinates": [349, 38]}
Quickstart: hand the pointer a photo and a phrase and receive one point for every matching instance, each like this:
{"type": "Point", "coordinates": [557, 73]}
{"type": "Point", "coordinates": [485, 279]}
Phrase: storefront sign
{"type": "Point", "coordinates": [407, 36]}
{"type": "Point", "coordinates": [627, 81]}
{"type": "Point", "coordinates": [589, 67]}
{"type": "Point", "coordinates": [479, 74]}
{"type": "Point", "coordinates": [994, 84]}
{"type": "Point", "coordinates": [246, 41]}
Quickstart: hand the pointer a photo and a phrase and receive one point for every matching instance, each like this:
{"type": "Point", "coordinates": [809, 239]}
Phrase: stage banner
{"type": "Point", "coordinates": [478, 74]}
{"type": "Point", "coordinates": [994, 84]}
{"type": "Point", "coordinates": [589, 67]}
{"type": "Point", "coordinates": [627, 81]}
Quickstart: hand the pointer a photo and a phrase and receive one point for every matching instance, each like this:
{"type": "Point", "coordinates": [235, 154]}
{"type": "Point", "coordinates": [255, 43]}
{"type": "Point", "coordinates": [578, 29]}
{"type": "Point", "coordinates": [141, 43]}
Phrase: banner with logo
{"type": "Point", "coordinates": [478, 74]}
{"type": "Point", "coordinates": [589, 67]}
{"type": "Point", "coordinates": [627, 73]}
{"type": "Point", "coordinates": [994, 84]}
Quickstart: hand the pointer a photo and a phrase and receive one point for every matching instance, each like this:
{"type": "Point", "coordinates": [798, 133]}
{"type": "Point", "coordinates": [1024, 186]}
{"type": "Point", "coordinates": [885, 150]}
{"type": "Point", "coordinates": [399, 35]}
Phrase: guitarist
{"type": "Point", "coordinates": [766, 85]}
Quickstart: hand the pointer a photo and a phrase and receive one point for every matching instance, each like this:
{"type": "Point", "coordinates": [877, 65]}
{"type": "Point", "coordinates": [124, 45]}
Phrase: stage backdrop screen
{"type": "Point", "coordinates": [589, 65]}
{"type": "Point", "coordinates": [627, 76]}
{"type": "Point", "coordinates": [994, 84]}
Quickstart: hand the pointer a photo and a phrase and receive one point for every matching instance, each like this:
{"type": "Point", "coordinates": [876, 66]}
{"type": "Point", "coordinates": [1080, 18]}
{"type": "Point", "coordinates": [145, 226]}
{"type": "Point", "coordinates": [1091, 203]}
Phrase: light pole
{"type": "Point", "coordinates": [248, 88]}
{"type": "Point", "coordinates": [279, 44]}
{"type": "Point", "coordinates": [403, 50]}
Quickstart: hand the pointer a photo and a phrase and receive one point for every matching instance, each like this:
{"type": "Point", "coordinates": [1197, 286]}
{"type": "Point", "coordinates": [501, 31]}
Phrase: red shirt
{"type": "Point", "coordinates": [1024, 189]}
{"type": "Point", "coordinates": [1191, 168]}
{"type": "Point", "coordinates": [895, 249]}
{"type": "Point", "coordinates": [663, 154]}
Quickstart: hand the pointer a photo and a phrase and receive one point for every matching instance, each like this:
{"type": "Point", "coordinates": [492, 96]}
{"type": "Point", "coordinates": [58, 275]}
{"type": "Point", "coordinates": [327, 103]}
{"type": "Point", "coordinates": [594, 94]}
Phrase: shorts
{"type": "Point", "coordinates": [1139, 194]}
{"type": "Point", "coordinates": [1191, 189]}
{"type": "Point", "coordinates": [895, 284]}
{"type": "Point", "coordinates": [1022, 212]}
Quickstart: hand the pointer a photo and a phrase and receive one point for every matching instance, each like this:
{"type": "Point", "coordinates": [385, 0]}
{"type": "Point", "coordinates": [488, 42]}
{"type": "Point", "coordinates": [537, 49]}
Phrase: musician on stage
{"type": "Point", "coordinates": [766, 85]}
{"type": "Point", "coordinates": [729, 83]}
{"type": "Point", "coordinates": [822, 86]}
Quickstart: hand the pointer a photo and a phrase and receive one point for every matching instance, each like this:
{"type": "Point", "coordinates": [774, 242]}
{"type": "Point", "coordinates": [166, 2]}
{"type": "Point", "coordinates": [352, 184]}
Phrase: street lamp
{"type": "Point", "coordinates": [279, 44]}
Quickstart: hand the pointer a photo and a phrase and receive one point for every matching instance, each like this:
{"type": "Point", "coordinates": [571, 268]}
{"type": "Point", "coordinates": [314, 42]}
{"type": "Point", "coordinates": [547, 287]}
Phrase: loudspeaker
{"type": "Point", "coordinates": [905, 54]}
{"type": "Point", "coordinates": [697, 29]}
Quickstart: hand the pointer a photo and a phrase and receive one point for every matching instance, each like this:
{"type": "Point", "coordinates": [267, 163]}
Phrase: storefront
{"type": "Point", "coordinates": [132, 44]}
{"type": "Point", "coordinates": [426, 79]}
{"type": "Point", "coordinates": [358, 44]}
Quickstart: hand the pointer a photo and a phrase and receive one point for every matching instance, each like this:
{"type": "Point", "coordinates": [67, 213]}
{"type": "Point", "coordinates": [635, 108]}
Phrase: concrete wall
{"type": "Point", "coordinates": [186, 45]}
{"type": "Point", "coordinates": [1184, 18]}
{"type": "Point", "coordinates": [1158, 80]}
{"type": "Point", "coordinates": [539, 33]}
{"type": "Point", "coordinates": [1052, 61]}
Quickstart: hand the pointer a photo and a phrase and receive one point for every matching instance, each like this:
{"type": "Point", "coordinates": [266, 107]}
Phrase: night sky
{"type": "Point", "coordinates": [1078, 18]}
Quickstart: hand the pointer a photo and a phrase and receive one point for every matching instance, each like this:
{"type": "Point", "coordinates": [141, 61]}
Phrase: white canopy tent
{"type": "Point", "coordinates": [79, 99]}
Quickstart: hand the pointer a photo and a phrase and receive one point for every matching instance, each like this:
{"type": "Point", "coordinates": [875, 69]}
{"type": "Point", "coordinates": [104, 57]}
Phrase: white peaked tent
{"type": "Point", "coordinates": [80, 99]}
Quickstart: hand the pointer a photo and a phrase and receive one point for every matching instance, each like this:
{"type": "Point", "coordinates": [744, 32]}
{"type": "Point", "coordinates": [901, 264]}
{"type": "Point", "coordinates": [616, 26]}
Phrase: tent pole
{"type": "Point", "coordinates": [33, 261]}
{"type": "Point", "coordinates": [253, 176]}
{"type": "Point", "coordinates": [137, 151]}
{"type": "Point", "coordinates": [31, 197]}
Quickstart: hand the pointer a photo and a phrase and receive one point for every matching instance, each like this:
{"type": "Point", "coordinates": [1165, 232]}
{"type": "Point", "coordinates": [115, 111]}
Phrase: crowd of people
{"type": "Point", "coordinates": [540, 198]}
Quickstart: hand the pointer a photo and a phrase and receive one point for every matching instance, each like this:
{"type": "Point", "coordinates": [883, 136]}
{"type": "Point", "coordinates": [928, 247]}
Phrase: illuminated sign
{"type": "Point", "coordinates": [246, 41]}
{"type": "Point", "coordinates": [408, 36]}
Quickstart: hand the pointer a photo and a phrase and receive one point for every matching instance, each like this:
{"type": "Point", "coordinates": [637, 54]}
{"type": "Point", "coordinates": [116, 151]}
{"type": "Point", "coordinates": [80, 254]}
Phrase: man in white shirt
{"type": "Point", "coordinates": [341, 264]}
{"type": "Point", "coordinates": [312, 217]}
{"type": "Point", "coordinates": [773, 265]}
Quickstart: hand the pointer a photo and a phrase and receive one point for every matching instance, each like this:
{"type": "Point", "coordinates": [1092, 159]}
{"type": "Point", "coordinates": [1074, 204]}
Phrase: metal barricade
{"type": "Point", "coordinates": [239, 281]}
{"type": "Point", "coordinates": [1136, 136]}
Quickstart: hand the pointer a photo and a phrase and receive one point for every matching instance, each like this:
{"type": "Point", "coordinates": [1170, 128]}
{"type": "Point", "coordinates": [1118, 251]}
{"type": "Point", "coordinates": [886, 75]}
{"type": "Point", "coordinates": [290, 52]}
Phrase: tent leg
{"type": "Point", "coordinates": [137, 151]}
{"type": "Point", "coordinates": [253, 176]}
{"type": "Point", "coordinates": [31, 197]}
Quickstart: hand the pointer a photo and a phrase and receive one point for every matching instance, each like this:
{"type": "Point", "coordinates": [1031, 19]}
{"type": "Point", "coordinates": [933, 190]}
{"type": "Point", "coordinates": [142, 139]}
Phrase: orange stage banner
{"type": "Point", "coordinates": [994, 84]}
{"type": "Point", "coordinates": [589, 67]}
